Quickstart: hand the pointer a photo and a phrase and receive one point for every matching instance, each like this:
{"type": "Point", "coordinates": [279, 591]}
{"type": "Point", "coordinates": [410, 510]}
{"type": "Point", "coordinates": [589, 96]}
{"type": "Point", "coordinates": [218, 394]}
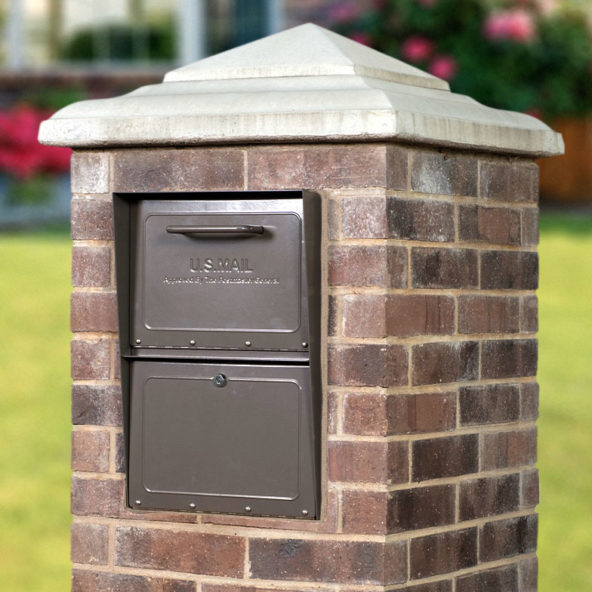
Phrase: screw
{"type": "Point", "coordinates": [138, 502]}
{"type": "Point", "coordinates": [248, 343]}
{"type": "Point", "coordinates": [220, 380]}
{"type": "Point", "coordinates": [138, 341]}
{"type": "Point", "coordinates": [305, 512]}
{"type": "Point", "coordinates": [304, 344]}
{"type": "Point", "coordinates": [192, 506]}
{"type": "Point", "coordinates": [192, 342]}
{"type": "Point", "coordinates": [248, 508]}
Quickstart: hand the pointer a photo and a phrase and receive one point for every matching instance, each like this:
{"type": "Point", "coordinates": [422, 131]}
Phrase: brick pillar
{"type": "Point", "coordinates": [429, 438]}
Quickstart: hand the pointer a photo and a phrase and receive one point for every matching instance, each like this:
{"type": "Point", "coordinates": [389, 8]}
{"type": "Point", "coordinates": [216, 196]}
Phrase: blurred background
{"type": "Point", "coordinates": [533, 56]}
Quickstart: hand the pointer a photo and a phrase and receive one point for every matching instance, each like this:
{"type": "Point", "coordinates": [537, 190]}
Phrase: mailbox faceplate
{"type": "Point", "coordinates": [199, 281]}
{"type": "Point", "coordinates": [224, 437]}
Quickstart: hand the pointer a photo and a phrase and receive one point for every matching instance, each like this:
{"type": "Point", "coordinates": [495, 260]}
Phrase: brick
{"type": "Point", "coordinates": [333, 218]}
{"type": "Point", "coordinates": [89, 172]}
{"type": "Point", "coordinates": [368, 365]}
{"type": "Point", "coordinates": [328, 561]}
{"type": "Point", "coordinates": [443, 553]}
{"type": "Point", "coordinates": [422, 413]}
{"type": "Point", "coordinates": [529, 401]}
{"type": "Point", "coordinates": [364, 217]}
{"type": "Point", "coordinates": [509, 180]}
{"type": "Point", "coordinates": [397, 166]}
{"type": "Point", "coordinates": [96, 405]}
{"type": "Point", "coordinates": [508, 358]}
{"type": "Point", "coordinates": [92, 219]}
{"type": "Point", "coordinates": [372, 315]}
{"type": "Point", "coordinates": [530, 314]}
{"type": "Point", "coordinates": [332, 316]}
{"type": "Point", "coordinates": [367, 414]}
{"type": "Point", "coordinates": [493, 580]}
{"type": "Point", "coordinates": [408, 316]}
{"type": "Point", "coordinates": [333, 412]}
{"type": "Point", "coordinates": [444, 268]}
{"type": "Point", "coordinates": [318, 166]}
{"type": "Point", "coordinates": [530, 227]}
{"type": "Point", "coordinates": [371, 462]}
{"type": "Point", "coordinates": [509, 449]}
{"type": "Point", "coordinates": [440, 586]}
{"type": "Point", "coordinates": [507, 538]}
{"type": "Point", "coordinates": [529, 488]}
{"type": "Point", "coordinates": [97, 497]}
{"type": "Point", "coordinates": [368, 266]}
{"type": "Point", "coordinates": [94, 311]}
{"type": "Point", "coordinates": [90, 451]}
{"type": "Point", "coordinates": [444, 457]}
{"type": "Point", "coordinates": [119, 453]}
{"type": "Point", "coordinates": [488, 314]}
{"type": "Point", "coordinates": [421, 507]}
{"type": "Point", "coordinates": [423, 220]}
{"type": "Point", "coordinates": [438, 363]}
{"type": "Point", "coordinates": [90, 359]}
{"type": "Point", "coordinates": [384, 415]}
{"type": "Point", "coordinates": [493, 403]}
{"type": "Point", "coordinates": [89, 543]}
{"type": "Point", "coordinates": [446, 173]}
{"type": "Point", "coordinates": [91, 267]}
{"type": "Point", "coordinates": [364, 315]}
{"type": "Point", "coordinates": [183, 169]}
{"type": "Point", "coordinates": [188, 552]}
{"type": "Point", "coordinates": [509, 270]}
{"type": "Point", "coordinates": [489, 496]}
{"type": "Point", "coordinates": [365, 512]}
{"type": "Point", "coordinates": [89, 581]}
{"type": "Point", "coordinates": [528, 571]}
{"type": "Point", "coordinates": [498, 226]}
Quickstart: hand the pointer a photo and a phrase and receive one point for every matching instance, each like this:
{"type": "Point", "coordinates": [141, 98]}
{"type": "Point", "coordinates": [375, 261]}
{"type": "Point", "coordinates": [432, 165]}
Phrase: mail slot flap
{"type": "Point", "coordinates": [225, 274]}
{"type": "Point", "coordinates": [226, 438]}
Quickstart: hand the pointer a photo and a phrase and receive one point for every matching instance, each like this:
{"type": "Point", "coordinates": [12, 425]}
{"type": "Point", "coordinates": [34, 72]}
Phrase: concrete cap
{"type": "Point", "coordinates": [303, 84]}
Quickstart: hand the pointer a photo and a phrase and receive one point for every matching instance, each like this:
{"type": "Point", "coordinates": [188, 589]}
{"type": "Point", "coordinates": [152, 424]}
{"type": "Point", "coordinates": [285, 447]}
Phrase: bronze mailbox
{"type": "Point", "coordinates": [219, 311]}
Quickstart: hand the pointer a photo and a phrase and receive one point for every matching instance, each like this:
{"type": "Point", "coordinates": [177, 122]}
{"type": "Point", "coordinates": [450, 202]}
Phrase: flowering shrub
{"type": "Point", "coordinates": [526, 55]}
{"type": "Point", "coordinates": [21, 155]}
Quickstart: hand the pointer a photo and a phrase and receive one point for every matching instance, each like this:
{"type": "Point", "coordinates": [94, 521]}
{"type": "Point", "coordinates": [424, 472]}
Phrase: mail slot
{"type": "Point", "coordinates": [219, 312]}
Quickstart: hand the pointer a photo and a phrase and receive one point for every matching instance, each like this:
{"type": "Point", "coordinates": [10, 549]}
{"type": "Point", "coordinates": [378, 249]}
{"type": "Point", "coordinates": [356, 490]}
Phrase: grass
{"type": "Point", "coordinates": [35, 423]}
{"type": "Point", "coordinates": [34, 412]}
{"type": "Point", "coordinates": [565, 424]}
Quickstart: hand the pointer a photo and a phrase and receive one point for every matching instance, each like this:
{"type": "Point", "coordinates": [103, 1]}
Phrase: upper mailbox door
{"type": "Point", "coordinates": [218, 274]}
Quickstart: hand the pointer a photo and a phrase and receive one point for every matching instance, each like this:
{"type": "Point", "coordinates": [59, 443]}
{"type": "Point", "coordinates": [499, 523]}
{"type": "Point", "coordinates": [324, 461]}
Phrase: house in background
{"type": "Point", "coordinates": [42, 34]}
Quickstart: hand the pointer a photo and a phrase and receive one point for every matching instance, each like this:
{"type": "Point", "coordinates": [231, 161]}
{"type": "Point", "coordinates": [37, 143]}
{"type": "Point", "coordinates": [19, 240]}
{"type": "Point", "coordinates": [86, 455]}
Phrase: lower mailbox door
{"type": "Point", "coordinates": [222, 438]}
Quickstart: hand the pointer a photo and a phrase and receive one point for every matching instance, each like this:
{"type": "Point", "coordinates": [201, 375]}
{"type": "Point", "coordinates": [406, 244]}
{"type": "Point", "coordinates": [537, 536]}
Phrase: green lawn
{"type": "Point", "coordinates": [34, 412]}
{"type": "Point", "coordinates": [35, 408]}
{"type": "Point", "coordinates": [565, 424]}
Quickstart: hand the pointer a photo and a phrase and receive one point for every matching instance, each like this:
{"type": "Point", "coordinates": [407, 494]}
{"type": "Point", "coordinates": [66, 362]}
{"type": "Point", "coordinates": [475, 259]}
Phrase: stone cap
{"type": "Point", "coordinates": [303, 84]}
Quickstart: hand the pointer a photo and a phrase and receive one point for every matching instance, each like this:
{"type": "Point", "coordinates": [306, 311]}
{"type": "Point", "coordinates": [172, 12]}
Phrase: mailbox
{"type": "Point", "coordinates": [219, 312]}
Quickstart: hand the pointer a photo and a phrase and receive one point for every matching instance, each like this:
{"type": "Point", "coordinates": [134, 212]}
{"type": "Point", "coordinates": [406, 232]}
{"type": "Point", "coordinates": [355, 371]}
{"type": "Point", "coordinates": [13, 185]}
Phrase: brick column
{"type": "Point", "coordinates": [430, 269]}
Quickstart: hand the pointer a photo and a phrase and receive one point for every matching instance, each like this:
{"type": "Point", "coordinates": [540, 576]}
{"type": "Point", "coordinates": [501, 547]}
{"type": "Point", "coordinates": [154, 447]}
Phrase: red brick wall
{"type": "Point", "coordinates": [430, 394]}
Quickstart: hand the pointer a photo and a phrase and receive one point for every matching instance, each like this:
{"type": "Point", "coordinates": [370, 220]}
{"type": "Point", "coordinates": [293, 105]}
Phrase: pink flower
{"type": "Point", "coordinates": [516, 25]}
{"type": "Point", "coordinates": [362, 38]}
{"type": "Point", "coordinates": [443, 66]}
{"type": "Point", "coordinates": [417, 49]}
{"type": "Point", "coordinates": [343, 11]}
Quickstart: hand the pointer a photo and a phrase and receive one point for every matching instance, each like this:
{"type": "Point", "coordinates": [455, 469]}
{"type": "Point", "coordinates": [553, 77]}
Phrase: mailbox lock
{"type": "Point", "coordinates": [220, 380]}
